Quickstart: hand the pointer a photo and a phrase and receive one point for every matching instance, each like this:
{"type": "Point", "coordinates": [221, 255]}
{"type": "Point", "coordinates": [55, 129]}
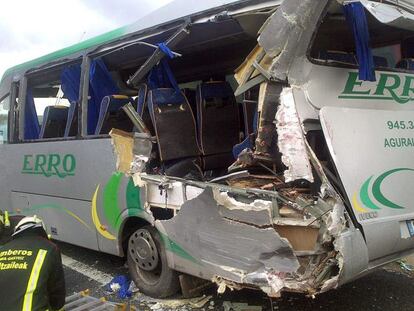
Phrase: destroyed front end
{"type": "Point", "coordinates": [249, 229]}
{"type": "Point", "coordinates": [284, 216]}
{"type": "Point", "coordinates": [258, 143]}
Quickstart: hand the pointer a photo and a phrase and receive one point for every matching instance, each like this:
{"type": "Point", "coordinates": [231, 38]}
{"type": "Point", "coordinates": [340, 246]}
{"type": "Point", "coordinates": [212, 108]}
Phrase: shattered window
{"type": "Point", "coordinates": [42, 103]}
{"type": "Point", "coordinates": [334, 43]}
{"type": "Point", "coordinates": [51, 101]}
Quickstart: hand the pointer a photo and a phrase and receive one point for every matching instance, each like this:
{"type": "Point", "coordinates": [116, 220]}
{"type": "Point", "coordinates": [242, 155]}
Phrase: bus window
{"type": "Point", "coordinates": [101, 88]}
{"type": "Point", "coordinates": [4, 115]}
{"type": "Point", "coordinates": [334, 43]}
{"type": "Point", "coordinates": [50, 112]}
{"type": "Point", "coordinates": [51, 102]}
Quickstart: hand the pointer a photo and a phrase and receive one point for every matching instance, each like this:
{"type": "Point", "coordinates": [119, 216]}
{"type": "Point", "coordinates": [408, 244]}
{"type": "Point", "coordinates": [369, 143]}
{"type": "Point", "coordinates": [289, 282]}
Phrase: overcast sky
{"type": "Point", "coordinates": [32, 28]}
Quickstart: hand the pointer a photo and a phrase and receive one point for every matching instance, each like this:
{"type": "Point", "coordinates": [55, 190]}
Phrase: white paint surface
{"type": "Point", "coordinates": [88, 271]}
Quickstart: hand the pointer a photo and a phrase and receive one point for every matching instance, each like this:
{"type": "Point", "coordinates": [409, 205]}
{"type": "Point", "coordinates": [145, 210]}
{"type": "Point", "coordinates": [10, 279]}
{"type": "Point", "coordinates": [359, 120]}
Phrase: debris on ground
{"type": "Point", "coordinates": [237, 306]}
{"type": "Point", "coordinates": [198, 302]}
{"type": "Point", "coordinates": [121, 285]}
{"type": "Point", "coordinates": [405, 266]}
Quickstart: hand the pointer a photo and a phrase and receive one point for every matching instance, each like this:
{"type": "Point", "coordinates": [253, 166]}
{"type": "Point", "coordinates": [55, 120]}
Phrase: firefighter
{"type": "Point", "coordinates": [7, 225]}
{"type": "Point", "coordinates": [31, 272]}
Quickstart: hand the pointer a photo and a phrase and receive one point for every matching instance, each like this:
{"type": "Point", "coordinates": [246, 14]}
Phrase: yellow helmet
{"type": "Point", "coordinates": [29, 222]}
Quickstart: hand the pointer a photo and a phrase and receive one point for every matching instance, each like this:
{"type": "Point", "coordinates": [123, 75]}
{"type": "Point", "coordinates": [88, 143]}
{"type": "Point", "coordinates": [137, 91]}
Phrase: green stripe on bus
{"type": "Point", "coordinates": [376, 188]}
{"type": "Point", "coordinates": [366, 200]}
{"type": "Point", "coordinates": [110, 199]}
{"type": "Point", "coordinates": [133, 199]}
{"type": "Point", "coordinates": [95, 41]}
{"type": "Point", "coordinates": [172, 246]}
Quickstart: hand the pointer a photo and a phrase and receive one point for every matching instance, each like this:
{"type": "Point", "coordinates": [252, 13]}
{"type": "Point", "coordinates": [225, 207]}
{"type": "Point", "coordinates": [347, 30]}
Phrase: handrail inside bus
{"type": "Point", "coordinates": [159, 54]}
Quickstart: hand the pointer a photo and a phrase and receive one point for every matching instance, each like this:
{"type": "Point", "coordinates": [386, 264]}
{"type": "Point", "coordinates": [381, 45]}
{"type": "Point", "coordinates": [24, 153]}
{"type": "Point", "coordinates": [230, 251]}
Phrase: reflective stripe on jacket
{"type": "Point", "coordinates": [31, 274]}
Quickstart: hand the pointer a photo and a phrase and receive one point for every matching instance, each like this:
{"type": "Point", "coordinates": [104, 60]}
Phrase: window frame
{"type": "Point", "coordinates": [7, 140]}
{"type": "Point", "coordinates": [334, 64]}
{"type": "Point", "coordinates": [22, 101]}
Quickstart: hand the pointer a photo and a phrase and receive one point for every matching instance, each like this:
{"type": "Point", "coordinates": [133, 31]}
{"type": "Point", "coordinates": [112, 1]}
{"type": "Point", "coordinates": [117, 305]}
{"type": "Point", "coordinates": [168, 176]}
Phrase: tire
{"type": "Point", "coordinates": [148, 266]}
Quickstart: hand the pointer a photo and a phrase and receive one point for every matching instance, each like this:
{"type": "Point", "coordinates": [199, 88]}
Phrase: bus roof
{"type": "Point", "coordinates": [173, 11]}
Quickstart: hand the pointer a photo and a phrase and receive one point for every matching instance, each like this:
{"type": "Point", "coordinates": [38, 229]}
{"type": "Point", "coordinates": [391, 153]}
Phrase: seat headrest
{"type": "Point", "coordinates": [56, 112]}
{"type": "Point", "coordinates": [167, 96]}
{"type": "Point", "coordinates": [115, 102]}
{"type": "Point", "coordinates": [54, 121]}
{"type": "Point", "coordinates": [216, 89]}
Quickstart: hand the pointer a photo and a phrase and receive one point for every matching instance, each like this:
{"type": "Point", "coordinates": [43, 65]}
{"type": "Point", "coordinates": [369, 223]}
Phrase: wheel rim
{"type": "Point", "coordinates": [145, 255]}
{"type": "Point", "coordinates": [143, 250]}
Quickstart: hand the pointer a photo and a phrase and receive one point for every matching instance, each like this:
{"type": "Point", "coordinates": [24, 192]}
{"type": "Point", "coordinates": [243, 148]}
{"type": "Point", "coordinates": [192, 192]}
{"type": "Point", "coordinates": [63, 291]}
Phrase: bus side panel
{"type": "Point", "coordinates": [67, 220]}
{"type": "Point", "coordinates": [76, 179]}
{"type": "Point", "coordinates": [377, 170]}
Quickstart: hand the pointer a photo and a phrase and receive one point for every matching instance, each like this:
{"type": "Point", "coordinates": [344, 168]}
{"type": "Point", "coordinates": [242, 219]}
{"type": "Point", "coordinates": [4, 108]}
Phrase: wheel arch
{"type": "Point", "coordinates": [129, 226]}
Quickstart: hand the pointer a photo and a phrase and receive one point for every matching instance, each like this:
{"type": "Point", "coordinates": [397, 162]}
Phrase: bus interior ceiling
{"type": "Point", "coordinates": [208, 50]}
{"type": "Point", "coordinates": [292, 209]}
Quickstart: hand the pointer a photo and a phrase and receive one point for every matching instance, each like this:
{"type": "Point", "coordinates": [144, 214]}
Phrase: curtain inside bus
{"type": "Point", "coordinates": [101, 84]}
{"type": "Point", "coordinates": [70, 81]}
{"type": "Point", "coordinates": [355, 15]}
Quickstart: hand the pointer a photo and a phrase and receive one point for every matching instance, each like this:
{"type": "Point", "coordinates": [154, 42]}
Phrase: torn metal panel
{"type": "Point", "coordinates": [351, 242]}
{"type": "Point", "coordinates": [288, 32]}
{"type": "Point", "coordinates": [222, 285]}
{"type": "Point", "coordinates": [405, 4]}
{"type": "Point", "coordinates": [191, 192]}
{"type": "Point", "coordinates": [258, 212]}
{"type": "Point", "coordinates": [302, 238]}
{"type": "Point", "coordinates": [122, 143]}
{"type": "Point", "coordinates": [291, 141]}
{"type": "Point", "coordinates": [132, 150]}
{"type": "Point", "coordinates": [226, 248]}
{"type": "Point", "coordinates": [246, 70]}
{"type": "Point", "coordinates": [257, 58]}
{"type": "Point", "coordinates": [389, 14]}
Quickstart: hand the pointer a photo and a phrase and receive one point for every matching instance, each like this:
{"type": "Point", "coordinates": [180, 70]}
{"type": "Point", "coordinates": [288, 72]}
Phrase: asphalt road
{"type": "Point", "coordinates": [386, 289]}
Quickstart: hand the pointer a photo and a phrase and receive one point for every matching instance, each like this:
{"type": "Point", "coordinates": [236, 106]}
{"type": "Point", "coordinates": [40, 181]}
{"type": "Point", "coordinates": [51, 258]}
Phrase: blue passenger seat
{"type": "Point", "coordinates": [338, 56]}
{"type": "Point", "coordinates": [111, 114]}
{"type": "Point", "coordinates": [218, 123]}
{"type": "Point", "coordinates": [54, 122]}
{"type": "Point", "coordinates": [71, 127]}
{"type": "Point", "coordinates": [406, 63]}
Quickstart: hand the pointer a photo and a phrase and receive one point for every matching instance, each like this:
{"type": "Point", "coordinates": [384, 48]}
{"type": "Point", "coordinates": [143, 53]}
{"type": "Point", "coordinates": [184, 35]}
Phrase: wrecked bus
{"type": "Point", "coordinates": [260, 144]}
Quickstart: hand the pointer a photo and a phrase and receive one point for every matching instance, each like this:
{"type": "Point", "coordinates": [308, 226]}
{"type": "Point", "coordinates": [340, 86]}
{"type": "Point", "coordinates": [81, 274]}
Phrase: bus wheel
{"type": "Point", "coordinates": [147, 262]}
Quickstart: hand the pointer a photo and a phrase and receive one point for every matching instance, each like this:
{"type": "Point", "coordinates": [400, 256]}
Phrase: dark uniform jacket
{"type": "Point", "coordinates": [31, 274]}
